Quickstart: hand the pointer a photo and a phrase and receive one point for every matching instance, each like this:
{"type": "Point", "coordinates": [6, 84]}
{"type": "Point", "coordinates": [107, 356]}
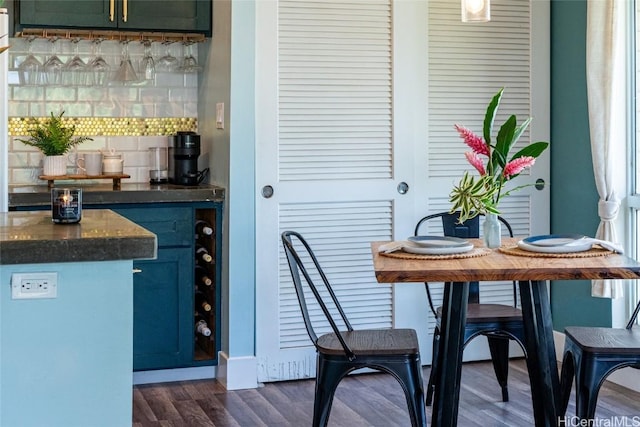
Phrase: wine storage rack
{"type": "Point", "coordinates": [205, 346]}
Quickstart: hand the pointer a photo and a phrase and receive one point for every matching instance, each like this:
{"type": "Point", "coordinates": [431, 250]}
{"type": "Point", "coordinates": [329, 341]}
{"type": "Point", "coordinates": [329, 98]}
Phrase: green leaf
{"type": "Point", "coordinates": [497, 159]}
{"type": "Point", "coordinates": [491, 115]}
{"type": "Point", "coordinates": [519, 131]}
{"type": "Point", "coordinates": [505, 139]}
{"type": "Point", "coordinates": [492, 209]}
{"type": "Point", "coordinates": [533, 150]}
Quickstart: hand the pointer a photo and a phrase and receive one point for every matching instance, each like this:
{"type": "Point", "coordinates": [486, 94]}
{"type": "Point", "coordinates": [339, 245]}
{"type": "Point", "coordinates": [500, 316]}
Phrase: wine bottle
{"type": "Point", "coordinates": [202, 254]}
{"type": "Point", "coordinates": [201, 302]}
{"type": "Point", "coordinates": [202, 328]}
{"type": "Point", "coordinates": [202, 276]}
{"type": "Point", "coordinates": [203, 228]}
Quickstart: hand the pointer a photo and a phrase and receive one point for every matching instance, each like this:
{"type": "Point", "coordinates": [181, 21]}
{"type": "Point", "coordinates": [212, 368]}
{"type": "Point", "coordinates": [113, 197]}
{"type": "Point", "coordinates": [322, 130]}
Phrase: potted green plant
{"type": "Point", "coordinates": [54, 139]}
{"type": "Point", "coordinates": [495, 166]}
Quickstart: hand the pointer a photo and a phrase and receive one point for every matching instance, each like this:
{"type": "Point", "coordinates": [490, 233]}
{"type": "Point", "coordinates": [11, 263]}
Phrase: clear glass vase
{"type": "Point", "coordinates": [491, 233]}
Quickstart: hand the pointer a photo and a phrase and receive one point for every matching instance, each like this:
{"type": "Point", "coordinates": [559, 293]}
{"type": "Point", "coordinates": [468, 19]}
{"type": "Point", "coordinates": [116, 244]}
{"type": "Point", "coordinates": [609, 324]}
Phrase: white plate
{"type": "Point", "coordinates": [578, 246]}
{"type": "Point", "coordinates": [414, 248]}
{"type": "Point", "coordinates": [438, 241]}
{"type": "Point", "coordinates": [553, 239]}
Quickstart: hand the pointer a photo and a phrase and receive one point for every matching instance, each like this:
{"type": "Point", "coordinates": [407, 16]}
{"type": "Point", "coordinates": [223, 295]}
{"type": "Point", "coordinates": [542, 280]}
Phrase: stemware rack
{"type": "Point", "coordinates": [123, 36]}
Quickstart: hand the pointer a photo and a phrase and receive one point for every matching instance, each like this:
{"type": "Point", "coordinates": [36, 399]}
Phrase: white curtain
{"type": "Point", "coordinates": [606, 97]}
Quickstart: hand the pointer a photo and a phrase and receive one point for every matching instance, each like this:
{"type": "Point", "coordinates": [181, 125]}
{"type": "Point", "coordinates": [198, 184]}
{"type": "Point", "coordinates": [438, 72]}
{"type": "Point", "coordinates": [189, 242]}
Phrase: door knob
{"type": "Point", "coordinates": [539, 185]}
{"type": "Point", "coordinates": [403, 188]}
{"type": "Point", "coordinates": [267, 191]}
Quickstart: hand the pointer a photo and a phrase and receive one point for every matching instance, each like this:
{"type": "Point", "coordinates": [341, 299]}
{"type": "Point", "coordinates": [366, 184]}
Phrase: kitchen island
{"type": "Point", "coordinates": [66, 358]}
{"type": "Point", "coordinates": [168, 290]}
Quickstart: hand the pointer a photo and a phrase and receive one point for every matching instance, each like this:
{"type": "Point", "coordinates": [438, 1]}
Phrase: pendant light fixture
{"type": "Point", "coordinates": [476, 10]}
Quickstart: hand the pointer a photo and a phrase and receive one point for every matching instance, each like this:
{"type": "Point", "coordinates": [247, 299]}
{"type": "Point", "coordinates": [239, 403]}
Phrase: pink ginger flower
{"type": "Point", "coordinates": [516, 166]}
{"type": "Point", "coordinates": [476, 162]}
{"type": "Point", "coordinates": [476, 143]}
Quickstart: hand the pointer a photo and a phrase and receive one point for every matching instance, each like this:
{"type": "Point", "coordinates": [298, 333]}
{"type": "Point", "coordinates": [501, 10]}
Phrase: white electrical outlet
{"type": "Point", "coordinates": [34, 285]}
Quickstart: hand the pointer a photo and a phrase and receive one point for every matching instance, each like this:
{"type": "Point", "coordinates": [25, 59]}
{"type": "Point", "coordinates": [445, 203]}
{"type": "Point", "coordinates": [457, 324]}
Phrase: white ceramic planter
{"type": "Point", "coordinates": [54, 165]}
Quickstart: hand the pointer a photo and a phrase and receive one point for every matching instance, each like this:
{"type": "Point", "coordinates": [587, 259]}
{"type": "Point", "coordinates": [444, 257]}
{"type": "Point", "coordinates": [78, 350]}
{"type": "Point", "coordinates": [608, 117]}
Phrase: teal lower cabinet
{"type": "Point", "coordinates": [162, 300]}
{"type": "Point", "coordinates": [166, 309]}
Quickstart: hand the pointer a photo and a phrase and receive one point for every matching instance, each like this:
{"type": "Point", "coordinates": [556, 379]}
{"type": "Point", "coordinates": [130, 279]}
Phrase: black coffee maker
{"type": "Point", "coordinates": [184, 149]}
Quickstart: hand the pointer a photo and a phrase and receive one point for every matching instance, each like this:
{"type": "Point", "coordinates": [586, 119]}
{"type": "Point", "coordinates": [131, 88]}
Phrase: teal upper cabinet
{"type": "Point", "coordinates": [192, 16]}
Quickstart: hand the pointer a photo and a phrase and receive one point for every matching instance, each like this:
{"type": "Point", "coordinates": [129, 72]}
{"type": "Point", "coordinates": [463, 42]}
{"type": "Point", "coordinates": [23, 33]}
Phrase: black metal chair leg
{"type": "Point", "coordinates": [328, 377]}
{"type": "Point", "coordinates": [589, 378]}
{"type": "Point", "coordinates": [405, 373]}
{"type": "Point", "coordinates": [417, 395]}
{"type": "Point", "coordinates": [566, 379]}
{"type": "Point", "coordinates": [499, 348]}
{"type": "Point", "coordinates": [434, 367]}
{"type": "Point", "coordinates": [586, 402]}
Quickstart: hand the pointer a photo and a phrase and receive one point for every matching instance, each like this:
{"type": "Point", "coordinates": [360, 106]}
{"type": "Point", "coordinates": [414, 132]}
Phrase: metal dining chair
{"type": "Point", "coordinates": [339, 352]}
{"type": "Point", "coordinates": [591, 354]}
{"type": "Point", "coordinates": [500, 323]}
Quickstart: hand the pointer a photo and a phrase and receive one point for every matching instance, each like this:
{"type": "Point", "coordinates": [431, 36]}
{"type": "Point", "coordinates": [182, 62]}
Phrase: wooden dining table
{"type": "Point", "coordinates": [531, 271]}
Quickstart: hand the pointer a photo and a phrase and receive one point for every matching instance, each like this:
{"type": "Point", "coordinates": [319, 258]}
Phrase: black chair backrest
{"type": "Point", "coordinates": [470, 229]}
{"type": "Point", "coordinates": [291, 240]}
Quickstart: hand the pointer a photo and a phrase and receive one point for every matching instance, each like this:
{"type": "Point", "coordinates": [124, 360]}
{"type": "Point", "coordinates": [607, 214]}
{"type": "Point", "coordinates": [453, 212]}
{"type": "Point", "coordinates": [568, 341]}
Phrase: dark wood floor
{"type": "Point", "coordinates": [361, 400]}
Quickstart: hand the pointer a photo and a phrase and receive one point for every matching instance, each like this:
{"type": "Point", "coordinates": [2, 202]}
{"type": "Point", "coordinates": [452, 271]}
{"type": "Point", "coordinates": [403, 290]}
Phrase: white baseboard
{"type": "Point", "coordinates": [237, 373]}
{"type": "Point", "coordinates": [171, 375]}
{"type": "Point", "coordinates": [626, 377]}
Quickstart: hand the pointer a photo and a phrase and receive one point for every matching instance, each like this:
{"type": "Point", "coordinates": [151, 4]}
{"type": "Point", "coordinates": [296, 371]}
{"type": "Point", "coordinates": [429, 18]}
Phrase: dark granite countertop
{"type": "Point", "coordinates": [101, 235]}
{"type": "Point", "coordinates": [97, 194]}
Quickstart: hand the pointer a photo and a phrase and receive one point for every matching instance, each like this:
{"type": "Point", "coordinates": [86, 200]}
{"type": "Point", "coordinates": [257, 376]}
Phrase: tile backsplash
{"type": "Point", "coordinates": [171, 97]}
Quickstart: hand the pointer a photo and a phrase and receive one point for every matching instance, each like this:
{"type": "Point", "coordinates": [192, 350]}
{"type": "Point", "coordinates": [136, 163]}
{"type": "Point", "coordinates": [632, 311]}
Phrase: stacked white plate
{"type": "Point", "coordinates": [436, 245]}
{"type": "Point", "coordinates": [556, 243]}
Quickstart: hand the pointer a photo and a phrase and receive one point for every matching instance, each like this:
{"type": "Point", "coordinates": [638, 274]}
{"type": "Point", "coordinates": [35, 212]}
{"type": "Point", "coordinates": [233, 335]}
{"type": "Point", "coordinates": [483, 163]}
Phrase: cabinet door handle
{"type": "Point", "coordinates": [112, 6]}
{"type": "Point", "coordinates": [125, 10]}
{"type": "Point", "coordinates": [136, 270]}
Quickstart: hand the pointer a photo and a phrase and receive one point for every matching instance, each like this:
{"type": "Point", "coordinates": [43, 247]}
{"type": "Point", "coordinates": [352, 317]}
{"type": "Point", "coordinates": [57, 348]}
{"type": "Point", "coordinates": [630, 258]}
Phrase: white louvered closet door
{"type": "Point", "coordinates": [468, 64]}
{"type": "Point", "coordinates": [352, 99]}
{"type": "Point", "coordinates": [330, 146]}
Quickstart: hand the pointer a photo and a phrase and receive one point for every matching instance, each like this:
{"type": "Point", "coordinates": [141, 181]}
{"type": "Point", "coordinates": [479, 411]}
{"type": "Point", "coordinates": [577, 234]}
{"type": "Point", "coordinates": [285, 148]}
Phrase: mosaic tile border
{"type": "Point", "coordinates": [112, 126]}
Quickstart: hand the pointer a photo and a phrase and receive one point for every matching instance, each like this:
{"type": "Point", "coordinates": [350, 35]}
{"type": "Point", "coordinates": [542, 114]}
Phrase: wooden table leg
{"type": "Point", "coordinates": [447, 385]}
{"type": "Point", "coordinates": [541, 352]}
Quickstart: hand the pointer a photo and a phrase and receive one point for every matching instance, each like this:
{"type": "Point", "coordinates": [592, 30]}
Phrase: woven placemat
{"type": "Point", "coordinates": [475, 252]}
{"type": "Point", "coordinates": [593, 252]}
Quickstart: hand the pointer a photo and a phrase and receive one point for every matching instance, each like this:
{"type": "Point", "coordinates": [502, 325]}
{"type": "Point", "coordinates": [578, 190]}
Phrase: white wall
{"type": "Point", "coordinates": [229, 78]}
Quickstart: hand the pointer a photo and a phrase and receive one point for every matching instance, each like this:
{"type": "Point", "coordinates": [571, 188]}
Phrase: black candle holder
{"type": "Point", "coordinates": [66, 205]}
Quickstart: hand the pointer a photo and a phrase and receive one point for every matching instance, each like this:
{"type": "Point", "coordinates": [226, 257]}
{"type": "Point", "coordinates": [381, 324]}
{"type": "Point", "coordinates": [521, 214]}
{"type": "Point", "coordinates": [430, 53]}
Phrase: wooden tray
{"type": "Point", "coordinates": [115, 177]}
